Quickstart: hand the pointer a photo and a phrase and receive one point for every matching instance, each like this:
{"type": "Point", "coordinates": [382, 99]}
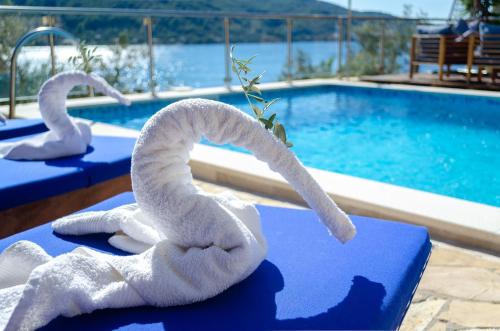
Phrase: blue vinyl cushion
{"type": "Point", "coordinates": [486, 29]}
{"type": "Point", "coordinates": [23, 182]}
{"type": "Point", "coordinates": [435, 29]}
{"type": "Point", "coordinates": [21, 127]}
{"type": "Point", "coordinates": [461, 27]}
{"type": "Point", "coordinates": [308, 281]}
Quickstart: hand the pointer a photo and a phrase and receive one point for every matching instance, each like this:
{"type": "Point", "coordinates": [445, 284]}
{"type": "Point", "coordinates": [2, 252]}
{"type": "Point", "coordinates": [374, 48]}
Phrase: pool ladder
{"type": "Point", "coordinates": [41, 31]}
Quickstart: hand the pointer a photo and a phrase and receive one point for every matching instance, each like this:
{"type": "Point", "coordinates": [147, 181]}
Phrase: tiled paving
{"type": "Point", "coordinates": [460, 289]}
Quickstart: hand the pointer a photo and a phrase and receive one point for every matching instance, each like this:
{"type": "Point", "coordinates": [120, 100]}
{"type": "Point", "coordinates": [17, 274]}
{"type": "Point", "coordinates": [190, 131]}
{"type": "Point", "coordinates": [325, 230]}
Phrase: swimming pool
{"type": "Point", "coordinates": [443, 143]}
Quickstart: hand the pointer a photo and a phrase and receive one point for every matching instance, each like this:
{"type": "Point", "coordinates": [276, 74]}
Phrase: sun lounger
{"type": "Point", "coordinates": [484, 51]}
{"type": "Point", "coordinates": [21, 127]}
{"type": "Point", "coordinates": [34, 192]}
{"type": "Point", "coordinates": [443, 50]}
{"type": "Point", "coordinates": [441, 45]}
{"type": "Point", "coordinates": [308, 281]}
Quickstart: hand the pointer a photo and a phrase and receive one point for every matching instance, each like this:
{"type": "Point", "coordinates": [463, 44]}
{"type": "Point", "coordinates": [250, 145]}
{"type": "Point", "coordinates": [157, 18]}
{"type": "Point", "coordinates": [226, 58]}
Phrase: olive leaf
{"type": "Point", "coordinates": [256, 97]}
{"type": "Point", "coordinates": [279, 132]}
{"type": "Point", "coordinates": [268, 122]}
{"type": "Point", "coordinates": [258, 112]}
{"type": "Point", "coordinates": [269, 103]}
{"type": "Point", "coordinates": [253, 88]}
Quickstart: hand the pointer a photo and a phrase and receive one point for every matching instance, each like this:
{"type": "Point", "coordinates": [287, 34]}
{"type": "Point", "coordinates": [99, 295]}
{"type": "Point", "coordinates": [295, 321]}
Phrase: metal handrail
{"type": "Point", "coordinates": [41, 31]}
{"type": "Point", "coordinates": [36, 10]}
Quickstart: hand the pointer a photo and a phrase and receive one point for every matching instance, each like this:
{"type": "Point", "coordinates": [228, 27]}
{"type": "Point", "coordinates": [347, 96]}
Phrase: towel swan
{"type": "Point", "coordinates": [66, 136]}
{"type": "Point", "coordinates": [191, 245]}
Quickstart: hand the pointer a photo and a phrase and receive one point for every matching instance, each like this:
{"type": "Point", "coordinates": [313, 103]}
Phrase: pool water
{"type": "Point", "coordinates": [443, 143]}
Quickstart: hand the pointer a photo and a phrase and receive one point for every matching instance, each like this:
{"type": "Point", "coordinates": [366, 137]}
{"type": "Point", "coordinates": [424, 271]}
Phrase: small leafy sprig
{"type": "Point", "coordinates": [253, 94]}
{"type": "Point", "coordinates": [86, 59]}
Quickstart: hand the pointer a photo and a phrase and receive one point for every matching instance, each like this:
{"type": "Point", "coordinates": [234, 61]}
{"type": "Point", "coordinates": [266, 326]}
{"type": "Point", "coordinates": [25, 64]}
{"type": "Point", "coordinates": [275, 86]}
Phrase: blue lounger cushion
{"type": "Point", "coordinates": [23, 182]}
{"type": "Point", "coordinates": [308, 281]}
{"type": "Point", "coordinates": [444, 29]}
{"type": "Point", "coordinates": [489, 32]}
{"type": "Point", "coordinates": [21, 127]}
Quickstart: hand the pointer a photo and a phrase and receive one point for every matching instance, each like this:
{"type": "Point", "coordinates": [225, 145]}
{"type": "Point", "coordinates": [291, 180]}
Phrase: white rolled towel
{"type": "Point", "coordinates": [66, 136]}
{"type": "Point", "coordinates": [191, 245]}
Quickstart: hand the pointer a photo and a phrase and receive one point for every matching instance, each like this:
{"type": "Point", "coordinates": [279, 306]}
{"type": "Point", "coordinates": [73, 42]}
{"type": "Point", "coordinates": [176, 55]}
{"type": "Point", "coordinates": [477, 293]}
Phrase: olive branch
{"type": "Point", "coordinates": [253, 94]}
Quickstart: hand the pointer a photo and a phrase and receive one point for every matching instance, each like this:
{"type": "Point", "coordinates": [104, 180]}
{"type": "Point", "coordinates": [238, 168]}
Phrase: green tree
{"type": "Point", "coordinates": [86, 60]}
{"type": "Point", "coordinates": [10, 31]}
{"type": "Point", "coordinates": [11, 28]}
{"type": "Point", "coordinates": [303, 68]}
{"type": "Point", "coordinates": [123, 59]}
{"type": "Point", "coordinates": [392, 37]}
{"type": "Point", "coordinates": [481, 8]}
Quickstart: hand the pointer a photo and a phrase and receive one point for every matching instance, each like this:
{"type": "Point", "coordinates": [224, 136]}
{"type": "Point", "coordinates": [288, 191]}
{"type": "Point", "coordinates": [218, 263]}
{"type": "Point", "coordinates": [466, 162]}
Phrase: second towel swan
{"type": "Point", "coordinates": [66, 136]}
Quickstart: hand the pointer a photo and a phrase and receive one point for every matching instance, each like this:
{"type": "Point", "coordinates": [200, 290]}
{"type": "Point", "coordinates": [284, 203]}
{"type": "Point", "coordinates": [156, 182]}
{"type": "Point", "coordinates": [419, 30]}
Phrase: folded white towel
{"type": "Point", "coordinates": [66, 136]}
{"type": "Point", "coordinates": [192, 245]}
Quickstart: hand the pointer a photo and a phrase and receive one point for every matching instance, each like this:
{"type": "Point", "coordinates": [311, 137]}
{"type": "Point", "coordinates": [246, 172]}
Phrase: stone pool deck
{"type": "Point", "coordinates": [460, 289]}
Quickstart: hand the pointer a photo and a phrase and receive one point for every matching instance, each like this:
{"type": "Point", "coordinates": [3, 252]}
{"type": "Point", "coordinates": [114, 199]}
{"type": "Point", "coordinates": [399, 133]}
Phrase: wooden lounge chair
{"type": "Point", "coordinates": [35, 192]}
{"type": "Point", "coordinates": [437, 49]}
{"type": "Point", "coordinates": [488, 56]}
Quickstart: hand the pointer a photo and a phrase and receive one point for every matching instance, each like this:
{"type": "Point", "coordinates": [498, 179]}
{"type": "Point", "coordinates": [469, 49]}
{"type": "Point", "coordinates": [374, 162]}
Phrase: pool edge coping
{"type": "Point", "coordinates": [30, 110]}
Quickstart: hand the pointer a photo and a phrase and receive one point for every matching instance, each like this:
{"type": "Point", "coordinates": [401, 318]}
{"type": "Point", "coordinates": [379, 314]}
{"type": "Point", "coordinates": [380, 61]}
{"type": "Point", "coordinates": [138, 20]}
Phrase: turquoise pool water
{"type": "Point", "coordinates": [443, 143]}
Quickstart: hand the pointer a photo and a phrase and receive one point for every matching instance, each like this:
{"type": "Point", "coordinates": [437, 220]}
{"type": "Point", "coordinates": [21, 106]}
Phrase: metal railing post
{"type": "Point", "coordinates": [349, 32]}
{"type": "Point", "coordinates": [50, 21]}
{"type": "Point", "coordinates": [41, 31]}
{"type": "Point", "coordinates": [227, 58]}
{"type": "Point", "coordinates": [148, 22]}
{"type": "Point", "coordinates": [340, 36]}
{"type": "Point", "coordinates": [289, 63]}
{"type": "Point", "coordinates": [382, 46]}
{"type": "Point", "coordinates": [12, 86]}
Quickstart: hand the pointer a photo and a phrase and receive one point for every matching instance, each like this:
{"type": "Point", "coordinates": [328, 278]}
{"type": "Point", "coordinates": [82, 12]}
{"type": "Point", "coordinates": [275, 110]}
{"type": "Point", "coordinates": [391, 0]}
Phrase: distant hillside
{"type": "Point", "coordinates": [104, 29]}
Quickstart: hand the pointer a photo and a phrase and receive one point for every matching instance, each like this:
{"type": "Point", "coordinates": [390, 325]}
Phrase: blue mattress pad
{"type": "Point", "coordinates": [308, 281]}
{"type": "Point", "coordinates": [21, 127]}
{"type": "Point", "coordinates": [23, 182]}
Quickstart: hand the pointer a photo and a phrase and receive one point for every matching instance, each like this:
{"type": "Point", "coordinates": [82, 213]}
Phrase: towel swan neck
{"type": "Point", "coordinates": [54, 92]}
